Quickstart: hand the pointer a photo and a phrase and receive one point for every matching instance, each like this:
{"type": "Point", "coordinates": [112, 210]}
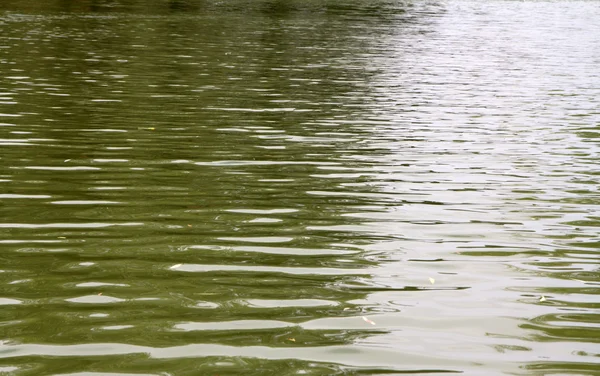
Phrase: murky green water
{"type": "Point", "coordinates": [299, 187]}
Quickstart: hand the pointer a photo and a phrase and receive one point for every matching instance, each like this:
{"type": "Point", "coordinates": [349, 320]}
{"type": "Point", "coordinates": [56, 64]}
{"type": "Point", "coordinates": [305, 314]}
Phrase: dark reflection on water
{"type": "Point", "coordinates": [286, 187]}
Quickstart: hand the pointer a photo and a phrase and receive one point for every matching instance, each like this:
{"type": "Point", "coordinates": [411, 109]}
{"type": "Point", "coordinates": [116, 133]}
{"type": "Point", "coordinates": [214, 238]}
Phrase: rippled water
{"type": "Point", "coordinates": [289, 187]}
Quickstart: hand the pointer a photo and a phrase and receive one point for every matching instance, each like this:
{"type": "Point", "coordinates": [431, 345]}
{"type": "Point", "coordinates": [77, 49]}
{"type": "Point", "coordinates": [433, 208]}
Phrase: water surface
{"type": "Point", "coordinates": [287, 188]}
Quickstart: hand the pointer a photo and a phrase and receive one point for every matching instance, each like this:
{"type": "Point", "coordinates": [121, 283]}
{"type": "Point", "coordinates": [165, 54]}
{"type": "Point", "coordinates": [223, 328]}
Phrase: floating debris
{"type": "Point", "coordinates": [368, 321]}
{"type": "Point", "coordinates": [292, 339]}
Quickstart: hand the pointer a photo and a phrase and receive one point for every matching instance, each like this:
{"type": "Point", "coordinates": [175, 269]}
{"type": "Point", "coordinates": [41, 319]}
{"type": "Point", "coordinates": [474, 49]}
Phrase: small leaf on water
{"type": "Point", "coordinates": [542, 298]}
{"type": "Point", "coordinates": [369, 321]}
{"type": "Point", "coordinates": [175, 266]}
{"type": "Point", "coordinates": [292, 339]}
{"type": "Point", "coordinates": [432, 280]}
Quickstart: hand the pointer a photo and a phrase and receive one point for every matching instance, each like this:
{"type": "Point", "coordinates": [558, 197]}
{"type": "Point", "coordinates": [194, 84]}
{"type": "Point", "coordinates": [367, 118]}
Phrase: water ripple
{"type": "Point", "coordinates": [299, 187]}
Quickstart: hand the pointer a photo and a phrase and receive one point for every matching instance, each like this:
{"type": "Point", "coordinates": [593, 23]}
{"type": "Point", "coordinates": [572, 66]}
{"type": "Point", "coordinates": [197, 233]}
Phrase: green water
{"type": "Point", "coordinates": [299, 187]}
